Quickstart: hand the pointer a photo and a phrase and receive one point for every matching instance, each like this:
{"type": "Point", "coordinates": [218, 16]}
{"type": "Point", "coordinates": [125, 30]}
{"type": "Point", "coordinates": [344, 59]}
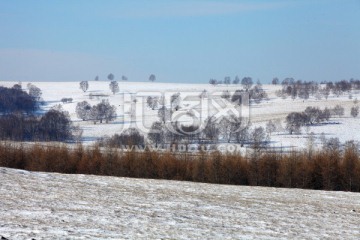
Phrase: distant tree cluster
{"type": "Point", "coordinates": [16, 100]}
{"type": "Point", "coordinates": [343, 86]}
{"type": "Point", "coordinates": [298, 89]}
{"type": "Point", "coordinates": [128, 138]}
{"type": "Point", "coordinates": [55, 125]}
{"type": "Point", "coordinates": [256, 94]}
{"type": "Point", "coordinates": [226, 131]}
{"type": "Point", "coordinates": [111, 77]}
{"type": "Point", "coordinates": [303, 90]}
{"type": "Point", "coordinates": [103, 111]}
{"type": "Point", "coordinates": [66, 100]}
{"type": "Point", "coordinates": [167, 132]}
{"type": "Point", "coordinates": [247, 82]}
{"type": "Point", "coordinates": [18, 122]}
{"type": "Point", "coordinates": [311, 116]}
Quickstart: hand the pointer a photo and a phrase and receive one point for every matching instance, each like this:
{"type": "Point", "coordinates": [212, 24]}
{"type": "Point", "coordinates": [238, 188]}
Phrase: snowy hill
{"type": "Point", "coordinates": [58, 206]}
{"type": "Point", "coordinates": [345, 127]}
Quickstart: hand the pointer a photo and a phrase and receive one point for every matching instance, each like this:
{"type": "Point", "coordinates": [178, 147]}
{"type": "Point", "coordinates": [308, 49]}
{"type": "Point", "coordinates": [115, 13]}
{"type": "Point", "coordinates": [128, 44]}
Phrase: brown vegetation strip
{"type": "Point", "coordinates": [326, 170]}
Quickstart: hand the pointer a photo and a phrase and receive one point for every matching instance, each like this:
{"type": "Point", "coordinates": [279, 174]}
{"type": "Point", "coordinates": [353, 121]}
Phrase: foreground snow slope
{"type": "Point", "coordinates": [58, 206]}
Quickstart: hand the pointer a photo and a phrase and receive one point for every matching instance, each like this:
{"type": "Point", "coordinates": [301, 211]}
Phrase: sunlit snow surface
{"type": "Point", "coordinates": [59, 206]}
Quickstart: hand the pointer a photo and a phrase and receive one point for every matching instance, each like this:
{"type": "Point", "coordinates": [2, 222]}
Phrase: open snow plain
{"type": "Point", "coordinates": [37, 205]}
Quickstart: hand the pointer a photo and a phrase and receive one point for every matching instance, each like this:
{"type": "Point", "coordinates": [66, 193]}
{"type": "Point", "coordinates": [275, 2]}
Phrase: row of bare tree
{"type": "Point", "coordinates": [328, 169]}
{"type": "Point", "coordinates": [314, 115]}
{"type": "Point", "coordinates": [304, 89]}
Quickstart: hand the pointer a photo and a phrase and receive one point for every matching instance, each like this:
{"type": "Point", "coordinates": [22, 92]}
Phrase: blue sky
{"type": "Point", "coordinates": [179, 41]}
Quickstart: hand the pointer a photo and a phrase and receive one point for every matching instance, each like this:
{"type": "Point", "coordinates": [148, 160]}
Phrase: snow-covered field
{"type": "Point", "coordinates": [345, 128]}
{"type": "Point", "coordinates": [58, 206]}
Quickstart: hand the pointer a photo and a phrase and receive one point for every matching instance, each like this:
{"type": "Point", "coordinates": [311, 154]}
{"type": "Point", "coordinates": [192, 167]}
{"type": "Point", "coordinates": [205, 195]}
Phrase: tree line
{"type": "Point", "coordinates": [332, 168]}
{"type": "Point", "coordinates": [303, 89]}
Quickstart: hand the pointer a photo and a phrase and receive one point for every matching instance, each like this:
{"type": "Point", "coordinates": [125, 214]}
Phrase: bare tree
{"type": "Point", "coordinates": [332, 144]}
{"type": "Point", "coordinates": [325, 92]}
{"type": "Point", "coordinates": [84, 85]}
{"type": "Point", "coordinates": [325, 114]}
{"type": "Point", "coordinates": [124, 78]}
{"type": "Point", "coordinates": [354, 111]}
{"type": "Point", "coordinates": [294, 121]}
{"type": "Point", "coordinates": [236, 97]}
{"type": "Point", "coordinates": [114, 87]}
{"type": "Point", "coordinates": [130, 137]}
{"type": "Point", "coordinates": [172, 133]}
{"type": "Point", "coordinates": [152, 102]}
{"type": "Point", "coordinates": [83, 110]}
{"type": "Point", "coordinates": [258, 93]}
{"type": "Point", "coordinates": [247, 83]}
{"type": "Point", "coordinates": [314, 115]}
{"type": "Point", "coordinates": [203, 94]}
{"type": "Point", "coordinates": [213, 82]}
{"type": "Point", "coordinates": [227, 80]}
{"type": "Point", "coordinates": [225, 94]}
{"type": "Point", "coordinates": [94, 114]}
{"type": "Point", "coordinates": [338, 110]}
{"type": "Point", "coordinates": [275, 81]}
{"type": "Point", "coordinates": [152, 78]}
{"type": "Point", "coordinates": [34, 91]}
{"type": "Point", "coordinates": [55, 125]}
{"type": "Point", "coordinates": [239, 130]}
{"type": "Point", "coordinates": [157, 134]}
{"type": "Point", "coordinates": [103, 111]}
{"type": "Point", "coordinates": [270, 127]}
{"type": "Point", "coordinates": [175, 101]}
{"type": "Point", "coordinates": [17, 86]}
{"type": "Point", "coordinates": [111, 76]}
{"type": "Point", "coordinates": [211, 130]}
{"type": "Point", "coordinates": [293, 92]}
{"type": "Point", "coordinates": [288, 81]}
{"type": "Point", "coordinates": [236, 80]}
{"type": "Point", "coordinates": [304, 92]}
{"type": "Point", "coordinates": [258, 138]}
{"type": "Point", "coordinates": [278, 125]}
{"type": "Point", "coordinates": [226, 129]}
{"type": "Point", "coordinates": [164, 114]}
